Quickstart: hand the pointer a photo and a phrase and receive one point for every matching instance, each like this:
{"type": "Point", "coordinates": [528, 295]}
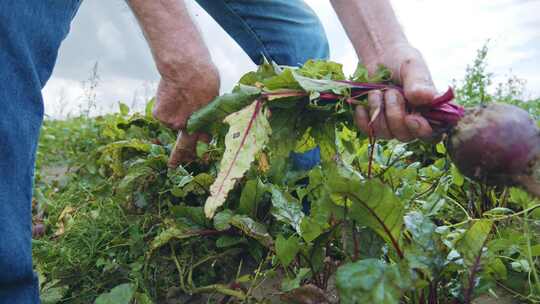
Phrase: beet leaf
{"type": "Point", "coordinates": [248, 133]}
{"type": "Point", "coordinates": [372, 203]}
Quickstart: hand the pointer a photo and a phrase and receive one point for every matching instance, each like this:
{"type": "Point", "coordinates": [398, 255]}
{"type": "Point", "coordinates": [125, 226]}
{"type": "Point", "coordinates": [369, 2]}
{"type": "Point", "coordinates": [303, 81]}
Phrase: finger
{"type": "Point", "coordinates": [361, 118]}
{"type": "Point", "coordinates": [395, 115]}
{"type": "Point", "coordinates": [417, 83]}
{"type": "Point", "coordinates": [184, 150]}
{"type": "Point", "coordinates": [419, 127]}
{"type": "Point", "coordinates": [376, 114]}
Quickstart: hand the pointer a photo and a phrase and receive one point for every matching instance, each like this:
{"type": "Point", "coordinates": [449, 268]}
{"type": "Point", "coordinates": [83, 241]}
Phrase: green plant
{"type": "Point", "coordinates": [376, 222]}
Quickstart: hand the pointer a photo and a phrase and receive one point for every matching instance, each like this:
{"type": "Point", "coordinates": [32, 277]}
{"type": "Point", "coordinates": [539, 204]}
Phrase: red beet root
{"type": "Point", "coordinates": [498, 144]}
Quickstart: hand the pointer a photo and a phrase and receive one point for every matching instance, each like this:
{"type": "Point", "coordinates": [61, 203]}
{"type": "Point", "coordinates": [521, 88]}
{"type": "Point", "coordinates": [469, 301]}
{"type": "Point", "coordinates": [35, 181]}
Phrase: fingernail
{"type": "Point", "coordinates": [413, 124]}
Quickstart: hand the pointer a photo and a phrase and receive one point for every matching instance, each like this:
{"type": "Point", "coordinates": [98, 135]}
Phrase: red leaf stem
{"type": "Point", "coordinates": [441, 113]}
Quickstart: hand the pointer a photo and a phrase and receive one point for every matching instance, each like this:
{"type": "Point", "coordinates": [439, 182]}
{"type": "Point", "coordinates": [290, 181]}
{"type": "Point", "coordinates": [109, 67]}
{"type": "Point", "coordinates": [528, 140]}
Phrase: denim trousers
{"type": "Point", "coordinates": [31, 31]}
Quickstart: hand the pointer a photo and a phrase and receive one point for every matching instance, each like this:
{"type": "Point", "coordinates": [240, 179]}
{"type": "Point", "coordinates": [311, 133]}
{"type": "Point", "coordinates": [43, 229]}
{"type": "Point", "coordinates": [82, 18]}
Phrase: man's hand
{"type": "Point", "coordinates": [189, 80]}
{"type": "Point", "coordinates": [392, 119]}
{"type": "Point", "coordinates": [378, 39]}
{"type": "Point", "coordinates": [181, 93]}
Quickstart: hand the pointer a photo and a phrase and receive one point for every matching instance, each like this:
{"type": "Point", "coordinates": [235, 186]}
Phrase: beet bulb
{"type": "Point", "coordinates": [497, 144]}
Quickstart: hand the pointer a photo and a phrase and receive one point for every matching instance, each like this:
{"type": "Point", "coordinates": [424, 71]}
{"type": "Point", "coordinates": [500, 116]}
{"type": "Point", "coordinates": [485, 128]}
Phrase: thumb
{"type": "Point", "coordinates": [417, 83]}
{"type": "Point", "coordinates": [184, 149]}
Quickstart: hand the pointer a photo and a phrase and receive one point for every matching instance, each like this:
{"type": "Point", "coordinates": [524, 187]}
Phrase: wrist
{"type": "Point", "coordinates": [184, 89]}
{"type": "Point", "coordinates": [383, 51]}
{"type": "Point", "coordinates": [183, 69]}
{"type": "Point", "coordinates": [392, 57]}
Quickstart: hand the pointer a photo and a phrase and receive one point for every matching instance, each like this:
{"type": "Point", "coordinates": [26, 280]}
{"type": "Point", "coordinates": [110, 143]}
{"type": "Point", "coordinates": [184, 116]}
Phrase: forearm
{"type": "Point", "coordinates": [372, 27]}
{"type": "Point", "coordinates": [173, 38]}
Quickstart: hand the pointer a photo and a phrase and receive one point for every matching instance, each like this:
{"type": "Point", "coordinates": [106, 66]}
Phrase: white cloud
{"type": "Point", "coordinates": [109, 35]}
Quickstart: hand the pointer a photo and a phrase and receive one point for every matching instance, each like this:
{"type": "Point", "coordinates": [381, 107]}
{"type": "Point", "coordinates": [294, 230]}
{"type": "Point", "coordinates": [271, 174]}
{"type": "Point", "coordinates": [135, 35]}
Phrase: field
{"type": "Point", "coordinates": [405, 227]}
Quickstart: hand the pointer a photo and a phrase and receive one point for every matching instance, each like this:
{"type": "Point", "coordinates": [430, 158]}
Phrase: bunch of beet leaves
{"type": "Point", "coordinates": [497, 144]}
{"type": "Point", "coordinates": [275, 108]}
{"type": "Point", "coordinates": [250, 222]}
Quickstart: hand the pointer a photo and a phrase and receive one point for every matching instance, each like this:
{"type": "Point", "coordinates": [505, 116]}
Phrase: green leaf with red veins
{"type": "Point", "coordinates": [472, 248]}
{"type": "Point", "coordinates": [248, 133]}
{"type": "Point", "coordinates": [372, 203]}
{"type": "Point", "coordinates": [472, 244]}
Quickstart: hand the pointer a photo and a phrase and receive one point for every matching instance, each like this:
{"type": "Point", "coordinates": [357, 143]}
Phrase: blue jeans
{"type": "Point", "coordinates": [285, 31]}
{"type": "Point", "coordinates": [30, 33]}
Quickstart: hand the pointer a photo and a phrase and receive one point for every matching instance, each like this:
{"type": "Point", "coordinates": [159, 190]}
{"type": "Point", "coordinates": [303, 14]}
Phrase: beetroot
{"type": "Point", "coordinates": [498, 144]}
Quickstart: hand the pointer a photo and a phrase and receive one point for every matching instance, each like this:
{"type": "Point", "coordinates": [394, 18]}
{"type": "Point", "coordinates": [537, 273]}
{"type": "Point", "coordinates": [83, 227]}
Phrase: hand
{"type": "Point", "coordinates": [409, 70]}
{"type": "Point", "coordinates": [181, 92]}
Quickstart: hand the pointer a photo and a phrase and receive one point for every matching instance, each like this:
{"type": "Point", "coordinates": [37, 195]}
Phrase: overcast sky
{"type": "Point", "coordinates": [447, 32]}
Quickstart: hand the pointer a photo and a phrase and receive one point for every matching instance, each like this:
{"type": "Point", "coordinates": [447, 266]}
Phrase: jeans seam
{"type": "Point", "coordinates": [252, 31]}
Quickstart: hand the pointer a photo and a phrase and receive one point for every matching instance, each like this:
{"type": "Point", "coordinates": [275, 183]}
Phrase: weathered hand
{"type": "Point", "coordinates": [180, 93]}
{"type": "Point", "coordinates": [409, 70]}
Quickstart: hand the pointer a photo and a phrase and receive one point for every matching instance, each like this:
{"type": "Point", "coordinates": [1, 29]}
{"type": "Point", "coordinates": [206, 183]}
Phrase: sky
{"type": "Point", "coordinates": [105, 34]}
